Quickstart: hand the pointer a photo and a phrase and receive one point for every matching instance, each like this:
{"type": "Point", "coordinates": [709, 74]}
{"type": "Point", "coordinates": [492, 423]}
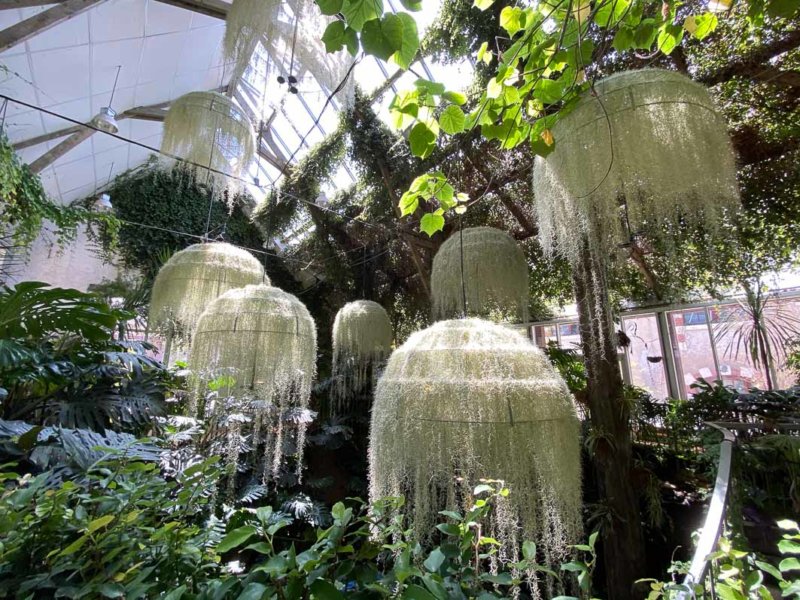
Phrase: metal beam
{"type": "Point", "coordinates": [211, 8]}
{"type": "Point", "coordinates": [52, 155]}
{"type": "Point", "coordinates": [12, 4]}
{"type": "Point", "coordinates": [43, 21]}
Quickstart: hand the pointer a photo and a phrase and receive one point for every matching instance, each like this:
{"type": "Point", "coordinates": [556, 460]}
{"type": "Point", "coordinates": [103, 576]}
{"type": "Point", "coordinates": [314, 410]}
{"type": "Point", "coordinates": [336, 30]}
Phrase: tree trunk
{"type": "Point", "coordinates": [623, 542]}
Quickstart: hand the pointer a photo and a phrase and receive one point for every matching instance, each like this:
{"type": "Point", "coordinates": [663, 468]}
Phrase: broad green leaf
{"type": "Point", "coordinates": [253, 591]}
{"type": "Point", "coordinates": [115, 590]}
{"type": "Point", "coordinates": [788, 525]}
{"type": "Point", "coordinates": [415, 592]}
{"type": "Point", "coordinates": [669, 37]}
{"type": "Point", "coordinates": [409, 202]}
{"type": "Point", "coordinates": [100, 522]}
{"type": "Point", "coordinates": [645, 35]}
{"type": "Point", "coordinates": [768, 568]}
{"type": "Point", "coordinates": [325, 590]}
{"type": "Point", "coordinates": [512, 19]}
{"type": "Point", "coordinates": [422, 140]}
{"type": "Point", "coordinates": [374, 41]}
{"type": "Point", "coordinates": [789, 547]}
{"type": "Point", "coordinates": [790, 564]}
{"type": "Point", "coordinates": [482, 489]}
{"type": "Point", "coordinates": [455, 97]}
{"type": "Point", "coordinates": [482, 4]}
{"type": "Point", "coordinates": [412, 5]}
{"type": "Point", "coordinates": [74, 546]}
{"type": "Point", "coordinates": [275, 566]}
{"type": "Point", "coordinates": [358, 12]}
{"type": "Point", "coordinates": [449, 513]}
{"type": "Point", "coordinates": [330, 7]}
{"type": "Point", "coordinates": [175, 594]}
{"type": "Point", "coordinates": [611, 12]}
{"type": "Point", "coordinates": [351, 40]}
{"type": "Point", "coordinates": [449, 528]}
{"type": "Point", "coordinates": [529, 550]}
{"type": "Point", "coordinates": [435, 559]}
{"type": "Point", "coordinates": [494, 88]}
{"type": "Point", "coordinates": [700, 26]}
{"type": "Point", "coordinates": [549, 91]}
{"type": "Point", "coordinates": [409, 44]}
{"type": "Point", "coordinates": [623, 39]}
{"type": "Point", "coordinates": [392, 27]}
{"type": "Point", "coordinates": [484, 54]}
{"type": "Point", "coordinates": [452, 120]}
{"type": "Point", "coordinates": [793, 589]}
{"type": "Point", "coordinates": [333, 38]}
{"type": "Point", "coordinates": [574, 567]}
{"type": "Point", "coordinates": [236, 538]}
{"type": "Point", "coordinates": [432, 87]}
{"type": "Point", "coordinates": [500, 578]}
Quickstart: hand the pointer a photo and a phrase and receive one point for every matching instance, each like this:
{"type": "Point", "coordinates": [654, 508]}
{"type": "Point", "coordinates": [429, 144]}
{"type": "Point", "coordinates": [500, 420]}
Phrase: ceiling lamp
{"type": "Point", "coordinates": [362, 341]}
{"type": "Point", "coordinates": [646, 150]}
{"type": "Point", "coordinates": [210, 131]}
{"type": "Point", "coordinates": [467, 400]}
{"type": "Point", "coordinates": [106, 120]}
{"type": "Point", "coordinates": [193, 278]}
{"type": "Point", "coordinates": [485, 267]}
{"type": "Point", "coordinates": [264, 341]}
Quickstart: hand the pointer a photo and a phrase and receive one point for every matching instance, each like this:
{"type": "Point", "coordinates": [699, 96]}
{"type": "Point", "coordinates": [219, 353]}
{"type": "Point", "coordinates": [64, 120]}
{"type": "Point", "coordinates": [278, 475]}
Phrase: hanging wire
{"type": "Point", "coordinates": [114, 89]}
{"type": "Point", "coordinates": [461, 250]}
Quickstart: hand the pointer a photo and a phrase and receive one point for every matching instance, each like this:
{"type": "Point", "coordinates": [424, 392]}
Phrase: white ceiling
{"type": "Point", "coordinates": [69, 69]}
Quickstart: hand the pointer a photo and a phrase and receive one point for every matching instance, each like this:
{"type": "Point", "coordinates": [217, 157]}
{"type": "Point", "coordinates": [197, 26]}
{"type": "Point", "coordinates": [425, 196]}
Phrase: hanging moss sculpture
{"type": "Point", "coordinates": [208, 129]}
{"type": "Point", "coordinates": [495, 276]}
{"type": "Point", "coordinates": [465, 400]}
{"type": "Point", "coordinates": [248, 21]}
{"type": "Point", "coordinates": [265, 341]}
{"type": "Point", "coordinates": [362, 341]}
{"type": "Point", "coordinates": [647, 148]}
{"type": "Point", "coordinates": [193, 278]}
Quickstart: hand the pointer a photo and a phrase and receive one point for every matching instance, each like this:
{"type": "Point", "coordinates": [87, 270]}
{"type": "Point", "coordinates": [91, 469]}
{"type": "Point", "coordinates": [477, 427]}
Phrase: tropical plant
{"type": "Point", "coordinates": [59, 363]}
{"type": "Point", "coordinates": [760, 326]}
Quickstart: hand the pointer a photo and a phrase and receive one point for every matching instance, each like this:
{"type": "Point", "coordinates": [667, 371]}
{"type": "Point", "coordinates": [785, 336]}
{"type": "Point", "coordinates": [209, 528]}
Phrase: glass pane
{"type": "Point", "coordinates": [570, 336]}
{"type": "Point", "coordinates": [731, 325]}
{"type": "Point", "coordinates": [644, 354]}
{"type": "Point", "coordinates": [691, 346]}
{"type": "Point", "coordinates": [543, 334]}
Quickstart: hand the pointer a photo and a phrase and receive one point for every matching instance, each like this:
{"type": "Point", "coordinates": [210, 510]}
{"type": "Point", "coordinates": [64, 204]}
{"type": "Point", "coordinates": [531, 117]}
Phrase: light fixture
{"type": "Point", "coordinates": [106, 119]}
{"type": "Point", "coordinates": [103, 202]}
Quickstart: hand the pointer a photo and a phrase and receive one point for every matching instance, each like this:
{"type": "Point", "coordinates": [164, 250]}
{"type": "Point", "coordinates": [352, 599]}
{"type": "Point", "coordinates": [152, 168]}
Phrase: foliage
{"type": "Point", "coordinates": [570, 366]}
{"type": "Point", "coordinates": [59, 363]}
{"type": "Point", "coordinates": [123, 531]}
{"type": "Point", "coordinates": [25, 206]}
{"type": "Point", "coordinates": [170, 203]}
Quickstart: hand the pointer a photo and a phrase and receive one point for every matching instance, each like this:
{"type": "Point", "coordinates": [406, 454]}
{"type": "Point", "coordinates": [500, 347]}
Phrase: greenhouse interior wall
{"type": "Point", "coordinates": [673, 347]}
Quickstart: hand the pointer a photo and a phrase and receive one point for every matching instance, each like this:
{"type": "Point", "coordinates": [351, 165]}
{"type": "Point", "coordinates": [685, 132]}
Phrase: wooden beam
{"type": "Point", "coordinates": [52, 155]}
{"type": "Point", "coordinates": [12, 4]}
{"type": "Point", "coordinates": [211, 8]}
{"type": "Point", "coordinates": [43, 21]}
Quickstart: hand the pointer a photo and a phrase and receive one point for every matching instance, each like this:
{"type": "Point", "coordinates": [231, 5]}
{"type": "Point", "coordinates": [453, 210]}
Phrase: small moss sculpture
{"type": "Point", "coordinates": [645, 149]}
{"type": "Point", "coordinates": [265, 342]}
{"type": "Point", "coordinates": [362, 341]}
{"type": "Point", "coordinates": [193, 278]}
{"type": "Point", "coordinates": [208, 129]}
{"type": "Point", "coordinates": [495, 276]}
{"type": "Point", "coordinates": [466, 400]}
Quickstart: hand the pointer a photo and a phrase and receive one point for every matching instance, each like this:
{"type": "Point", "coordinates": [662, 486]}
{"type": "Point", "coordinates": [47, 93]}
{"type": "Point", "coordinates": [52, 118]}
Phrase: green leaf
{"type": "Point", "coordinates": [611, 12]}
{"type": "Point", "coordinates": [452, 120]}
{"type": "Point", "coordinates": [415, 592]}
{"type": "Point", "coordinates": [782, 8]}
{"type": "Point", "coordinates": [236, 538]}
{"type": "Point", "coordinates": [768, 568]}
{"type": "Point", "coordinates": [100, 522]}
{"type": "Point", "coordinates": [790, 564]}
{"type": "Point", "coordinates": [494, 88]}
{"type": "Point", "coordinates": [788, 547]}
{"type": "Point", "coordinates": [325, 590]}
{"type": "Point", "coordinates": [175, 594]}
{"type": "Point", "coordinates": [351, 40]}
{"type": "Point", "coordinates": [333, 38]}
{"type": "Point", "coordinates": [482, 4]}
{"type": "Point", "coordinates": [574, 567]}
{"type": "Point", "coordinates": [74, 546]}
{"type": "Point", "coordinates": [451, 514]}
{"type": "Point", "coordinates": [623, 39]}
{"type": "Point", "coordinates": [512, 19]}
{"type": "Point", "coordinates": [669, 37]}
{"type": "Point", "coordinates": [455, 97]}
{"type": "Point", "coordinates": [500, 578]}
{"type": "Point", "coordinates": [645, 35]}
{"type": "Point", "coordinates": [412, 5]}
{"type": "Point", "coordinates": [28, 439]}
{"type": "Point", "coordinates": [115, 590]}
{"type": "Point", "coordinates": [330, 7]}
{"type": "Point", "coordinates": [788, 525]}
{"type": "Point", "coordinates": [529, 550]}
{"type": "Point", "coordinates": [409, 44]}
{"type": "Point", "coordinates": [449, 528]}
{"type": "Point", "coordinates": [374, 41]}
{"type": "Point", "coordinates": [432, 87]}
{"type": "Point", "coordinates": [482, 489]}
{"type": "Point", "coordinates": [358, 12]}
{"type": "Point", "coordinates": [422, 140]}
{"type": "Point", "coordinates": [409, 202]}
{"type": "Point", "coordinates": [392, 27]}
{"type": "Point", "coordinates": [549, 91]}
{"type": "Point", "coordinates": [484, 54]}
{"type": "Point", "coordinates": [700, 26]}
{"type": "Point", "coordinates": [253, 591]}
{"type": "Point", "coordinates": [436, 558]}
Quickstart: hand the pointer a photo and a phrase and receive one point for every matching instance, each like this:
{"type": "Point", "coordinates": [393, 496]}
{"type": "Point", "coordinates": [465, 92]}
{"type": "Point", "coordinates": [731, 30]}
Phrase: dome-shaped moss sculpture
{"type": "Point", "coordinates": [208, 129]}
{"type": "Point", "coordinates": [362, 341]}
{"type": "Point", "coordinates": [495, 276]}
{"type": "Point", "coordinates": [465, 400]}
{"type": "Point", "coordinates": [645, 149]}
{"type": "Point", "coordinates": [265, 341]}
{"type": "Point", "coordinates": [193, 278]}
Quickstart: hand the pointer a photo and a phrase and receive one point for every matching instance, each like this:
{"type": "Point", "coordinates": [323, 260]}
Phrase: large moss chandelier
{"type": "Point", "coordinates": [466, 400]}
{"type": "Point", "coordinates": [193, 278]}
{"type": "Point", "coordinates": [485, 267]}
{"type": "Point", "coordinates": [362, 341]}
{"type": "Point", "coordinates": [646, 150]}
{"type": "Point", "coordinates": [208, 129]}
{"type": "Point", "coordinates": [263, 342]}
